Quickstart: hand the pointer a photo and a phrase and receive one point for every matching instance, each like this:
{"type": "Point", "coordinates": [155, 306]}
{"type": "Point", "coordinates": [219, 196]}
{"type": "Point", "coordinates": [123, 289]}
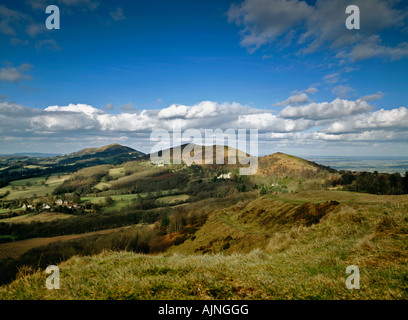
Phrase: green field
{"type": "Point", "coordinates": [172, 199]}
{"type": "Point", "coordinates": [124, 200]}
{"type": "Point", "coordinates": [117, 173]}
{"type": "Point", "coordinates": [33, 187]}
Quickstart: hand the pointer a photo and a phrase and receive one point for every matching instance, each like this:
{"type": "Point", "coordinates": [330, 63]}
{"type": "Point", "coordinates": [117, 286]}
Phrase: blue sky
{"type": "Point", "coordinates": [115, 67]}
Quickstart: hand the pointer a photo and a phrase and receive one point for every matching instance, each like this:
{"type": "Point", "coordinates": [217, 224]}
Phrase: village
{"type": "Point", "coordinates": [56, 205]}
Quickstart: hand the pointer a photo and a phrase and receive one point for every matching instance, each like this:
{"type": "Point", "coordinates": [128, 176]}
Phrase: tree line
{"type": "Point", "coordinates": [373, 182]}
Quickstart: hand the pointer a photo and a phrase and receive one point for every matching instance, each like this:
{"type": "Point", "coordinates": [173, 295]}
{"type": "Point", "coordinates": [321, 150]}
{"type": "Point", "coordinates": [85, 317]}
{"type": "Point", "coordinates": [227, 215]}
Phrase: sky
{"type": "Point", "coordinates": [117, 70]}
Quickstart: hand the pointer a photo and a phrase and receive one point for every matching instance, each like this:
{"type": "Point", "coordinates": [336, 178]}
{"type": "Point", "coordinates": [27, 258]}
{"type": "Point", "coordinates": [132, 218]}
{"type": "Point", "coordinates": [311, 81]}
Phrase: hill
{"type": "Point", "coordinates": [212, 155]}
{"type": "Point", "coordinates": [20, 167]}
{"type": "Point", "coordinates": [109, 150]}
{"type": "Point", "coordinates": [112, 153]}
{"type": "Point", "coordinates": [281, 164]}
{"type": "Point", "coordinates": [295, 246]}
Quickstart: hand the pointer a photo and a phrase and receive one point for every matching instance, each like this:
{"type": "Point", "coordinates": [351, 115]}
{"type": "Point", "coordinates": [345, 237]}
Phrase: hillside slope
{"type": "Point", "coordinates": [276, 251]}
{"type": "Point", "coordinates": [281, 164]}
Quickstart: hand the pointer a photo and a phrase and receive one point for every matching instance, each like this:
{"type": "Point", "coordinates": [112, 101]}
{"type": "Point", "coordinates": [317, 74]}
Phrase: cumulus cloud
{"type": "Point", "coordinates": [108, 107]}
{"type": "Point", "coordinates": [342, 91]}
{"type": "Point", "coordinates": [203, 109]}
{"type": "Point", "coordinates": [295, 99]}
{"type": "Point", "coordinates": [326, 110]}
{"type": "Point", "coordinates": [269, 122]}
{"type": "Point", "coordinates": [320, 26]}
{"type": "Point", "coordinates": [339, 122]}
{"type": "Point", "coordinates": [395, 119]}
{"type": "Point", "coordinates": [264, 21]}
{"type": "Point", "coordinates": [76, 108]}
{"type": "Point", "coordinates": [311, 90]}
{"type": "Point", "coordinates": [377, 96]}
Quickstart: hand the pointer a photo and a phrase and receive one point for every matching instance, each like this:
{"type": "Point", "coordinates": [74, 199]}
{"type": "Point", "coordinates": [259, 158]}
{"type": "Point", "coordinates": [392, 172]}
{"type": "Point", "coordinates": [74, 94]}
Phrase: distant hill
{"type": "Point", "coordinates": [218, 154]}
{"type": "Point", "coordinates": [31, 155]}
{"type": "Point", "coordinates": [110, 154]}
{"type": "Point", "coordinates": [277, 164]}
{"type": "Point", "coordinates": [23, 167]}
{"type": "Point", "coordinates": [111, 149]}
{"type": "Point", "coordinates": [281, 164]}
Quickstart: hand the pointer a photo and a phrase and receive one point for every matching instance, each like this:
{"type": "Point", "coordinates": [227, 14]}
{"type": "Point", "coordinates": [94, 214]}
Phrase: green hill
{"type": "Point", "coordinates": [281, 164]}
{"type": "Point", "coordinates": [295, 246]}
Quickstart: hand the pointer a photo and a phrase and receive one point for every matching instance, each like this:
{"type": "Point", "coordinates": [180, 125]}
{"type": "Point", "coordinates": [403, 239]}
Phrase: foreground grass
{"type": "Point", "coordinates": [125, 275]}
{"type": "Point", "coordinates": [253, 251]}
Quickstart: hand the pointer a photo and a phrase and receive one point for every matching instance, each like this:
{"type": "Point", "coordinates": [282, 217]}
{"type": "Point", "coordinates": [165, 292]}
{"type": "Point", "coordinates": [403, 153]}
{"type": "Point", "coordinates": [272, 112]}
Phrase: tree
{"type": "Point", "coordinates": [76, 198]}
{"type": "Point", "coordinates": [405, 182]}
{"type": "Point", "coordinates": [109, 201]}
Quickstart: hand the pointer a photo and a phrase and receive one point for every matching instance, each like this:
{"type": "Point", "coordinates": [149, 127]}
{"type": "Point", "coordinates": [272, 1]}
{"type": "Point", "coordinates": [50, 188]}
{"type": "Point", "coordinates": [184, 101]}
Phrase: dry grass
{"type": "Point", "coordinates": [261, 261]}
{"type": "Point", "coordinates": [41, 217]}
{"type": "Point", "coordinates": [17, 248]}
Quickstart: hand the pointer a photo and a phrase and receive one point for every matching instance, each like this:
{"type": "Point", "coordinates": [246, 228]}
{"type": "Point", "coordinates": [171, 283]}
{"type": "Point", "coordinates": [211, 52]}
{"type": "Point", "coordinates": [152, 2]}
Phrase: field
{"type": "Point", "coordinates": [17, 248]}
{"type": "Point", "coordinates": [173, 199]}
{"type": "Point", "coordinates": [41, 217]}
{"type": "Point", "coordinates": [33, 187]}
{"type": "Point", "coordinates": [124, 200]}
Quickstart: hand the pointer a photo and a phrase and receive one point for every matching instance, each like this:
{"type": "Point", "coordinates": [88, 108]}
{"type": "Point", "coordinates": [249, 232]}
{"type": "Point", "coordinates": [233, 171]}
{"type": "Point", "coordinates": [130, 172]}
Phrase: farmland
{"type": "Point", "coordinates": [17, 248]}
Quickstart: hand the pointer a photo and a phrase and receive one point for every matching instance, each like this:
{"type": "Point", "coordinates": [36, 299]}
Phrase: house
{"type": "Point", "coordinates": [46, 206]}
{"type": "Point", "coordinates": [59, 202]}
{"type": "Point", "coordinates": [225, 176]}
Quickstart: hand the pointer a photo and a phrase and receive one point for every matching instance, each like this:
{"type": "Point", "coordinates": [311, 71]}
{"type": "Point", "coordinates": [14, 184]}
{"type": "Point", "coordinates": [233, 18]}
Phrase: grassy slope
{"type": "Point", "coordinates": [277, 258]}
{"type": "Point", "coordinates": [37, 186]}
{"type": "Point", "coordinates": [15, 249]}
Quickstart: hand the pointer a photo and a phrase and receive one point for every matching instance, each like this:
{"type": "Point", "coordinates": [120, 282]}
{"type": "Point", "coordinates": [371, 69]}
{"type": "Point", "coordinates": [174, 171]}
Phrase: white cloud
{"type": "Point", "coordinates": [320, 26]}
{"type": "Point", "coordinates": [372, 47]}
{"type": "Point", "coordinates": [264, 21]}
{"type": "Point", "coordinates": [295, 99]}
{"type": "Point", "coordinates": [127, 122]}
{"type": "Point", "coordinates": [342, 91]}
{"type": "Point", "coordinates": [77, 108]}
{"type": "Point", "coordinates": [326, 110]}
{"type": "Point", "coordinates": [311, 90]}
{"type": "Point", "coordinates": [11, 74]}
{"type": "Point", "coordinates": [10, 20]}
{"type": "Point", "coordinates": [272, 123]}
{"type": "Point", "coordinates": [377, 96]}
{"type": "Point", "coordinates": [328, 124]}
{"type": "Point", "coordinates": [34, 29]}
{"type": "Point", "coordinates": [203, 109]}
{"type": "Point", "coordinates": [108, 107]}
{"type": "Point", "coordinates": [395, 119]}
{"type": "Point", "coordinates": [331, 78]}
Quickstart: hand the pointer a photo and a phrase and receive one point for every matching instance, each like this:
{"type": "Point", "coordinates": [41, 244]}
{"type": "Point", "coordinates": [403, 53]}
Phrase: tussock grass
{"type": "Point", "coordinates": [245, 259]}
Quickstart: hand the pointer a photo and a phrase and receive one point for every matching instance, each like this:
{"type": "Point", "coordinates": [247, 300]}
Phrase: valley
{"type": "Point", "coordinates": [199, 231]}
